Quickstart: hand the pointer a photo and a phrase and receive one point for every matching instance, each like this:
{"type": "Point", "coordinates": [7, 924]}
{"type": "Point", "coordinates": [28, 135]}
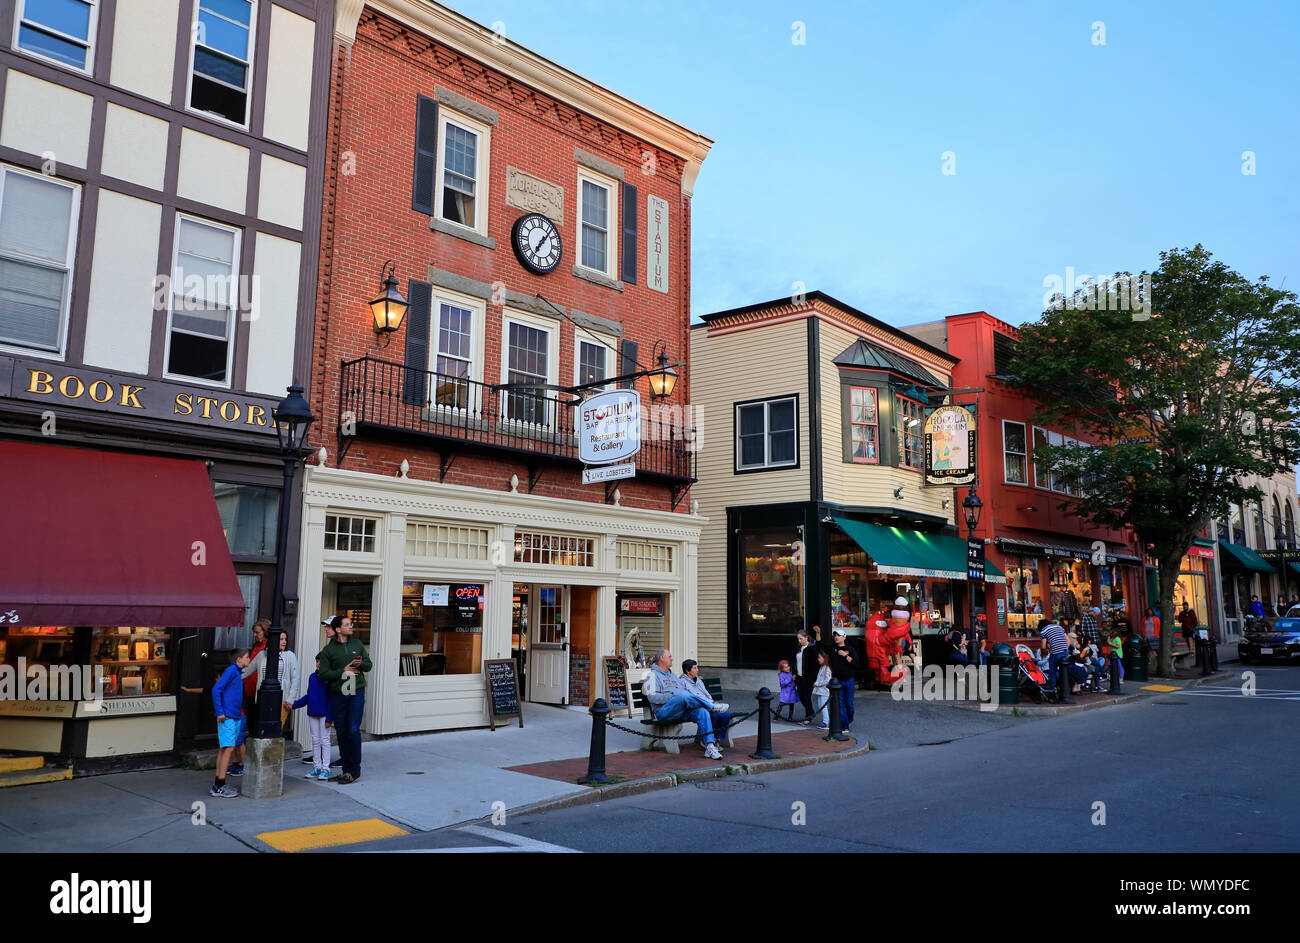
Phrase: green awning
{"type": "Point", "coordinates": [1238, 558]}
{"type": "Point", "coordinates": [903, 552]}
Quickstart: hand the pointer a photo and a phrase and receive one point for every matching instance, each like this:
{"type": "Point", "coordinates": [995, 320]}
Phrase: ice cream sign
{"type": "Point", "coordinates": [609, 427]}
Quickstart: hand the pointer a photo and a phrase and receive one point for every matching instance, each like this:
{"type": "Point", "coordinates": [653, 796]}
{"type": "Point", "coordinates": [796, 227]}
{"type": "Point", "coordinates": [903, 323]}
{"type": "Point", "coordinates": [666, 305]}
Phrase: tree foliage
{"type": "Point", "coordinates": [1186, 401]}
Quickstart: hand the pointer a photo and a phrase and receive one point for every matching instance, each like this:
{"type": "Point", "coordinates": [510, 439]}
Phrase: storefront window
{"type": "Point", "coordinates": [133, 661]}
{"type": "Point", "coordinates": [249, 516]}
{"type": "Point", "coordinates": [442, 628]}
{"type": "Point", "coordinates": [1192, 589]}
{"type": "Point", "coordinates": [353, 600]}
{"type": "Point", "coordinates": [1024, 599]}
{"type": "Point", "coordinates": [850, 595]}
{"type": "Point", "coordinates": [772, 588]}
{"type": "Point", "coordinates": [1113, 604]}
{"type": "Point", "coordinates": [1071, 589]}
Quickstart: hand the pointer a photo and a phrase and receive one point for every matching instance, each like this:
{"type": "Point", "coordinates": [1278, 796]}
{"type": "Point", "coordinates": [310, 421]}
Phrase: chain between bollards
{"type": "Point", "coordinates": [596, 758]}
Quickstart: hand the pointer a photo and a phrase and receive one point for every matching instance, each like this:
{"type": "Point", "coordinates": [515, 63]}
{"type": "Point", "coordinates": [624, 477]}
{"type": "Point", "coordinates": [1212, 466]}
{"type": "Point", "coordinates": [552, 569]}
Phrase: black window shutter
{"type": "Point", "coordinates": [629, 234]}
{"type": "Point", "coordinates": [627, 350]}
{"type": "Point", "coordinates": [426, 155]}
{"type": "Point", "coordinates": [417, 343]}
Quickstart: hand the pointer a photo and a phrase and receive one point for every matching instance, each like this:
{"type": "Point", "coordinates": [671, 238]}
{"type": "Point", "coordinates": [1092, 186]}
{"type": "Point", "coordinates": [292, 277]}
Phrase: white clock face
{"type": "Point", "coordinates": [537, 242]}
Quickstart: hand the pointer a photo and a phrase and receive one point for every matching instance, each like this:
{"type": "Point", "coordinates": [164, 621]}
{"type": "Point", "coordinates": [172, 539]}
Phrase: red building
{"type": "Point", "coordinates": [1055, 562]}
{"type": "Point", "coordinates": [539, 228]}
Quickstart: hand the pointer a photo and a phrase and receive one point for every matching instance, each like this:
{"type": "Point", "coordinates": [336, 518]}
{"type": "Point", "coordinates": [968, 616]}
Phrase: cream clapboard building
{"type": "Point", "coordinates": [160, 208]}
{"type": "Point", "coordinates": [809, 475]}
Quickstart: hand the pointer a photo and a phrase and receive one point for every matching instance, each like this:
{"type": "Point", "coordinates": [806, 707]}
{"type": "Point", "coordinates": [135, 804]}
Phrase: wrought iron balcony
{"type": "Point", "coordinates": [456, 415]}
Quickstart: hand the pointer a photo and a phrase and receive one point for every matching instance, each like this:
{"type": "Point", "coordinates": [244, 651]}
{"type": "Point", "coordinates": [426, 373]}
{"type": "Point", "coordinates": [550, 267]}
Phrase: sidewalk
{"type": "Point", "coordinates": [431, 781]}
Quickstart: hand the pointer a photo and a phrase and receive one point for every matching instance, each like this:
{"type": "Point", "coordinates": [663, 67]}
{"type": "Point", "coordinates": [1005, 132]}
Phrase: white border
{"type": "Point", "coordinates": [232, 323]}
{"type": "Point", "coordinates": [482, 165]}
{"type": "Point", "coordinates": [612, 228]}
{"type": "Point", "coordinates": [92, 32]}
{"type": "Point", "coordinates": [248, 92]}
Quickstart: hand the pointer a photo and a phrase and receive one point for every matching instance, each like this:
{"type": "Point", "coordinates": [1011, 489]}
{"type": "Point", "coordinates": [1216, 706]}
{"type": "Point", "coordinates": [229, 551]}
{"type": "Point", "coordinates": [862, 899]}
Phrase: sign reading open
{"type": "Point", "coordinates": [609, 427]}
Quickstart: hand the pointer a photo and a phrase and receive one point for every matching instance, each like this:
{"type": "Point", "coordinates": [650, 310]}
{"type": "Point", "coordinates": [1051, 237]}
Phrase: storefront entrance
{"type": "Point", "coordinates": [548, 645]}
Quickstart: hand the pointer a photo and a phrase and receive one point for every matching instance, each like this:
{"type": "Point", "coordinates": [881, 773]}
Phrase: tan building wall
{"type": "Point", "coordinates": [730, 365]}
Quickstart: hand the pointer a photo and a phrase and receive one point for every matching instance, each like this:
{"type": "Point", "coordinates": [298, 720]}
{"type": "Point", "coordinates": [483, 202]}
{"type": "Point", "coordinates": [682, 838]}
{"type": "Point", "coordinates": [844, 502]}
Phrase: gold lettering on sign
{"type": "Point", "coordinates": [208, 402]}
{"type": "Point", "coordinates": [183, 405]}
{"type": "Point", "coordinates": [104, 387]}
{"type": "Point", "coordinates": [41, 382]}
{"type": "Point", "coordinates": [130, 396]}
{"type": "Point", "coordinates": [234, 411]}
{"type": "Point", "coordinates": [259, 413]}
{"type": "Point", "coordinates": [63, 386]}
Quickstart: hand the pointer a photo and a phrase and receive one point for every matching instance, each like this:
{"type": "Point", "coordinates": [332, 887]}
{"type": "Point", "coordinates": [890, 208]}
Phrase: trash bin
{"type": "Point", "coordinates": [1008, 678]}
{"type": "Point", "coordinates": [1135, 658]}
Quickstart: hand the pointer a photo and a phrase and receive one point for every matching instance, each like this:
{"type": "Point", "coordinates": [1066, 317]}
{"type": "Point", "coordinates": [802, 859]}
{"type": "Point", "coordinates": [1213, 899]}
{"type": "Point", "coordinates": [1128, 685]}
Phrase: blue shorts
{"type": "Point", "coordinates": [232, 731]}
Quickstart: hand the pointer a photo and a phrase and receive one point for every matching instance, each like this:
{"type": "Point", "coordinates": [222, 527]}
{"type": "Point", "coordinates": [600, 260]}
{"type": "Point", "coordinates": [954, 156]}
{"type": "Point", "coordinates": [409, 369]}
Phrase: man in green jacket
{"type": "Point", "coordinates": [343, 664]}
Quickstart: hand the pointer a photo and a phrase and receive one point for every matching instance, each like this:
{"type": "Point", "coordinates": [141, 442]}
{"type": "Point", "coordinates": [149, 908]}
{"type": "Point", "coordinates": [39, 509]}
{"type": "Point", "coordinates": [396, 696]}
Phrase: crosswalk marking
{"type": "Point", "coordinates": [513, 844]}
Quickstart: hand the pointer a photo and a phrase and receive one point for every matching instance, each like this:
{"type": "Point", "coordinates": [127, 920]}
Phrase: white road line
{"type": "Point", "coordinates": [519, 841]}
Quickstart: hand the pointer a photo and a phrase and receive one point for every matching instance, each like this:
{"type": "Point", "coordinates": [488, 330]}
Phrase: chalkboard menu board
{"type": "Point", "coordinates": [616, 685]}
{"type": "Point", "coordinates": [503, 691]}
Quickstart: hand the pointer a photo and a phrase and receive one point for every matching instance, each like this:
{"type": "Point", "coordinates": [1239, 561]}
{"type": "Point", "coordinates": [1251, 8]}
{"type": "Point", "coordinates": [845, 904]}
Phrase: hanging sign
{"type": "Point", "coordinates": [975, 560]}
{"type": "Point", "coordinates": [609, 427]}
{"type": "Point", "coordinates": [949, 449]}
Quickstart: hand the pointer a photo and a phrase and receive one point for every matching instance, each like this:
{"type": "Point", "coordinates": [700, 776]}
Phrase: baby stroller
{"type": "Point", "coordinates": [1032, 680]}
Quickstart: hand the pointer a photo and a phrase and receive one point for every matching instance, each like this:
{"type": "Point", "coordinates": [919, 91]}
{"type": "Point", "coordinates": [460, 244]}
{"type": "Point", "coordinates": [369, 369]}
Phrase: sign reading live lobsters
{"type": "Point", "coordinates": [609, 427]}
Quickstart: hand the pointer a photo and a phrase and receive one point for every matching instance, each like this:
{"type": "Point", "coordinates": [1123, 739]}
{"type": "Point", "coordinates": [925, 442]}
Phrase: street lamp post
{"type": "Point", "coordinates": [292, 419]}
{"type": "Point", "coordinates": [971, 506]}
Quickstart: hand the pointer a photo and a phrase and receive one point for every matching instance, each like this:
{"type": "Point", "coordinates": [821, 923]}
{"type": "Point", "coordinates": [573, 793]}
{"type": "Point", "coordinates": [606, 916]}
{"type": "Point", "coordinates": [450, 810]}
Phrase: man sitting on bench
{"type": "Point", "coordinates": [671, 701]}
{"type": "Point", "coordinates": [719, 713]}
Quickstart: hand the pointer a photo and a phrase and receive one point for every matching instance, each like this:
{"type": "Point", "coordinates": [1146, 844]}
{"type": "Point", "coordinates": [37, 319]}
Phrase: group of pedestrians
{"type": "Point", "coordinates": [1081, 652]}
{"type": "Point", "coordinates": [336, 697]}
{"type": "Point", "coordinates": [808, 678]}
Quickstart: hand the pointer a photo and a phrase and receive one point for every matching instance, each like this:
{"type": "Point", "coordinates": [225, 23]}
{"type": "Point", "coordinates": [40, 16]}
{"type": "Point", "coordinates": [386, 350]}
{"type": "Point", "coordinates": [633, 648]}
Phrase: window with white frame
{"type": "Point", "coordinates": [765, 434]}
{"type": "Point", "coordinates": [38, 216]}
{"type": "Point", "coordinates": [593, 355]}
{"type": "Point", "coordinates": [447, 541]}
{"type": "Point", "coordinates": [62, 31]}
{"type": "Point", "coordinates": [911, 419]}
{"type": "Point", "coordinates": [463, 152]}
{"type": "Point", "coordinates": [529, 358]}
{"type": "Point", "coordinates": [553, 549]}
{"type": "Point", "coordinates": [1071, 476]}
{"type": "Point", "coordinates": [864, 425]}
{"type": "Point", "coordinates": [351, 534]}
{"type": "Point", "coordinates": [597, 224]}
{"type": "Point", "coordinates": [643, 556]}
{"type": "Point", "coordinates": [1042, 477]}
{"type": "Point", "coordinates": [221, 63]}
{"type": "Point", "coordinates": [1056, 439]}
{"type": "Point", "coordinates": [205, 273]}
{"type": "Point", "coordinates": [1015, 465]}
{"type": "Point", "coordinates": [456, 351]}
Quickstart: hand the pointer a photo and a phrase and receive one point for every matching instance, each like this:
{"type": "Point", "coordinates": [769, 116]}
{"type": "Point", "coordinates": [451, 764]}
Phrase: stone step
{"type": "Point", "coordinates": [28, 777]}
{"type": "Point", "coordinates": [12, 764]}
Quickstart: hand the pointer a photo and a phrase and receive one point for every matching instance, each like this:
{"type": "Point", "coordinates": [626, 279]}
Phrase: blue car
{"type": "Point", "coordinates": [1282, 641]}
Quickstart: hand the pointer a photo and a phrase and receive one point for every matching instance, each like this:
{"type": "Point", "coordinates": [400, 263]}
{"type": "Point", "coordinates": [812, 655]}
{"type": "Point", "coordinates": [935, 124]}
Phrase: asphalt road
{"type": "Point", "coordinates": [1202, 770]}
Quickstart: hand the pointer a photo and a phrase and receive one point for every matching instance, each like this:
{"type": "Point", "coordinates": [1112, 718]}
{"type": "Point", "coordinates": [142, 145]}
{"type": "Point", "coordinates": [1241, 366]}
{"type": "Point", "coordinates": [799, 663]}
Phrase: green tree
{"type": "Point", "coordinates": [1188, 377]}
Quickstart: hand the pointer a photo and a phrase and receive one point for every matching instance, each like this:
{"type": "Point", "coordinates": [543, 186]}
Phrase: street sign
{"type": "Point", "coordinates": [591, 476]}
{"type": "Point", "coordinates": [609, 427]}
{"type": "Point", "coordinates": [975, 560]}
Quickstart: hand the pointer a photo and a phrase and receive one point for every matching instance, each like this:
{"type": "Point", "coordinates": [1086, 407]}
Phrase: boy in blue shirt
{"type": "Point", "coordinates": [228, 702]}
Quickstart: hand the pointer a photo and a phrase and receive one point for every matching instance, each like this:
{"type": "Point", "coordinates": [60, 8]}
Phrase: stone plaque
{"type": "Point", "coordinates": [534, 194]}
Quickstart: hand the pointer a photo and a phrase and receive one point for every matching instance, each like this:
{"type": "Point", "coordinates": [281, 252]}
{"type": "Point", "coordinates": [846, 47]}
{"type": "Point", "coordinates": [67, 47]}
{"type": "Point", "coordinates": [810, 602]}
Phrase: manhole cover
{"type": "Point", "coordinates": [725, 785]}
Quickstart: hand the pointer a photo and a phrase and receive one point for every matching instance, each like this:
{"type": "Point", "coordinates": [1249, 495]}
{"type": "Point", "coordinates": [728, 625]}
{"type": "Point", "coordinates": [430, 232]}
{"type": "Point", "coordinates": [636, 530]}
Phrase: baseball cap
{"type": "Point", "coordinates": [840, 632]}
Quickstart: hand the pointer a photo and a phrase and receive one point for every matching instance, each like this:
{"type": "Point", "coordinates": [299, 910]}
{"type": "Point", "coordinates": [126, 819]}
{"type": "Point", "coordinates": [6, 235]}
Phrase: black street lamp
{"type": "Point", "coordinates": [971, 507]}
{"type": "Point", "coordinates": [389, 308]}
{"type": "Point", "coordinates": [292, 419]}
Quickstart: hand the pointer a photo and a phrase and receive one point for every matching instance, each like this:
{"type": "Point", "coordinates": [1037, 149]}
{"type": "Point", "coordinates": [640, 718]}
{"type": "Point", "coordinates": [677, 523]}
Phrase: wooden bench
{"type": "Point", "coordinates": [658, 730]}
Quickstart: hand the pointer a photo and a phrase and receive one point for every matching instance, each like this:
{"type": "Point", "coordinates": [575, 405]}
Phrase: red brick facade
{"type": "Point", "coordinates": [369, 218]}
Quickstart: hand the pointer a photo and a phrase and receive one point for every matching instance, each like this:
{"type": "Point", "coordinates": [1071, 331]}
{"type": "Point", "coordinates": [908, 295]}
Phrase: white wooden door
{"type": "Point", "coordinates": [548, 646]}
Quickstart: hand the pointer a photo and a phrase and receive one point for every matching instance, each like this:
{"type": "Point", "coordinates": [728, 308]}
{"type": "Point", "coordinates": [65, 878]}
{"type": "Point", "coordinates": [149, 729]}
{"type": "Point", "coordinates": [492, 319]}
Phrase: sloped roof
{"type": "Point", "coordinates": [863, 353]}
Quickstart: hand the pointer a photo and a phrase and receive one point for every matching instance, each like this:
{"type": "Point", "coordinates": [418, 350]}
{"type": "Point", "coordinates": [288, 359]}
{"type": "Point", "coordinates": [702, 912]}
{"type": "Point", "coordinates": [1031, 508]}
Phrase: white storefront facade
{"type": "Point", "coordinates": [440, 578]}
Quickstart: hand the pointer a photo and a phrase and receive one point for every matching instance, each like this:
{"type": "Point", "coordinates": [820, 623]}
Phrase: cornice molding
{"type": "Point", "coordinates": [511, 59]}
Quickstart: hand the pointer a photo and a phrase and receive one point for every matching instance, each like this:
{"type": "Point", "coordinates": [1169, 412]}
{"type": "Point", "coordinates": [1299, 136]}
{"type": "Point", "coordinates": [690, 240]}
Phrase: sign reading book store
{"type": "Point", "coordinates": [949, 445]}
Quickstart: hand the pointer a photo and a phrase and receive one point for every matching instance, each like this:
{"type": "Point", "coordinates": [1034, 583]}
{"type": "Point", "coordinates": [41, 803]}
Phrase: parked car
{"type": "Point", "coordinates": [1281, 641]}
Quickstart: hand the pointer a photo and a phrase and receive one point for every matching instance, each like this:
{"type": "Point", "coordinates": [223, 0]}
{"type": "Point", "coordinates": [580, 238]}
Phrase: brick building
{"type": "Point", "coordinates": [539, 227]}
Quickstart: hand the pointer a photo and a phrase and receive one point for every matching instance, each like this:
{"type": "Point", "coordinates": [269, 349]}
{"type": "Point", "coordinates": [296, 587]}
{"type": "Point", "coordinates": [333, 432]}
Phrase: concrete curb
{"type": "Point", "coordinates": [1060, 709]}
{"type": "Point", "coordinates": [632, 787]}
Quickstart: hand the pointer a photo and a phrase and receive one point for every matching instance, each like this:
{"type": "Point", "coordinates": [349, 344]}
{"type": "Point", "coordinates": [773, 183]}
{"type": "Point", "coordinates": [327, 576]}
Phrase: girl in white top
{"type": "Point", "coordinates": [821, 692]}
{"type": "Point", "coordinates": [287, 672]}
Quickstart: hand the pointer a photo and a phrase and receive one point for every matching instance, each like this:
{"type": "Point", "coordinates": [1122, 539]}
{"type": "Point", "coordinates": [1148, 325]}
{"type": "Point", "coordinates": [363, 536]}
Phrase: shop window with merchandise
{"type": "Point", "coordinates": [1024, 599]}
{"type": "Point", "coordinates": [133, 661]}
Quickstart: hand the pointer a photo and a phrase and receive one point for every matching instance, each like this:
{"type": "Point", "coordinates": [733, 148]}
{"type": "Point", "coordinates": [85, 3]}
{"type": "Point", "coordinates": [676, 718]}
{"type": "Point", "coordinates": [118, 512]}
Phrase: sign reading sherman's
{"type": "Point", "coordinates": [85, 388]}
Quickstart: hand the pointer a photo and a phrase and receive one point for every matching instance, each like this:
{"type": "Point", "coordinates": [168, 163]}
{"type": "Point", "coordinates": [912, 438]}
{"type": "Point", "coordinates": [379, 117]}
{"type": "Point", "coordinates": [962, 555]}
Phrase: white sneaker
{"type": "Point", "coordinates": [712, 752]}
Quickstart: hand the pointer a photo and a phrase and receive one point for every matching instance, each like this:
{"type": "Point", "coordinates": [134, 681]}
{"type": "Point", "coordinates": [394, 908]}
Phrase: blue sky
{"type": "Point", "coordinates": [828, 156]}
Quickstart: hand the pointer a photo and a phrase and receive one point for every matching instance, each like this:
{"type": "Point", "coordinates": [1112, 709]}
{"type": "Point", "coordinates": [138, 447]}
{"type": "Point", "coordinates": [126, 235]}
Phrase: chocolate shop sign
{"type": "Point", "coordinates": [58, 385]}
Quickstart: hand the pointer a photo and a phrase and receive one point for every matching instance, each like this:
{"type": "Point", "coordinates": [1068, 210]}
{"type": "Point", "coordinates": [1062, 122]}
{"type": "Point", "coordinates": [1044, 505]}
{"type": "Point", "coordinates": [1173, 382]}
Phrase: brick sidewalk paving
{"type": "Point", "coordinates": [640, 764]}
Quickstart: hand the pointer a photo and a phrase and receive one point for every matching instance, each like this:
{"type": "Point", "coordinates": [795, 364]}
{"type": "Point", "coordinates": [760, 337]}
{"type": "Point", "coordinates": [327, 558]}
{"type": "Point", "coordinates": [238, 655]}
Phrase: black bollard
{"type": "Point", "coordinates": [837, 725]}
{"type": "Point", "coordinates": [1063, 682]}
{"type": "Point", "coordinates": [1203, 655]}
{"type": "Point", "coordinates": [763, 750]}
{"type": "Point", "coordinates": [1213, 649]}
{"type": "Point", "coordinates": [596, 759]}
{"type": "Point", "coordinates": [1114, 672]}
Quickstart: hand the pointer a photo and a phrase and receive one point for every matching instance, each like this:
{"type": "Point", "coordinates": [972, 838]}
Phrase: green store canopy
{"type": "Point", "coordinates": [903, 552]}
{"type": "Point", "coordinates": [1238, 558]}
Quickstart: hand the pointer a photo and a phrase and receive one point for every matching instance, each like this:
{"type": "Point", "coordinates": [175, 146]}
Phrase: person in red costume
{"type": "Point", "coordinates": [884, 629]}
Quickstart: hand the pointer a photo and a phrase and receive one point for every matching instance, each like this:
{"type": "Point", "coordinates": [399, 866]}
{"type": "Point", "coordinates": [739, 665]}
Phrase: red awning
{"type": "Point", "coordinates": [103, 538]}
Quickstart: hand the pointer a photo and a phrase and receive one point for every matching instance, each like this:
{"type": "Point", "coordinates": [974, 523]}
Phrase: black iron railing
{"type": "Point", "coordinates": [381, 396]}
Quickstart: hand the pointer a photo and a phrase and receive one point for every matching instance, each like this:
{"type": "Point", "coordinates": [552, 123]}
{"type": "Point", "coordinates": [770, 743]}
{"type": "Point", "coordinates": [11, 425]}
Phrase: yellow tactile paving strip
{"type": "Point", "coordinates": [1161, 687]}
{"type": "Point", "coordinates": [326, 836]}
